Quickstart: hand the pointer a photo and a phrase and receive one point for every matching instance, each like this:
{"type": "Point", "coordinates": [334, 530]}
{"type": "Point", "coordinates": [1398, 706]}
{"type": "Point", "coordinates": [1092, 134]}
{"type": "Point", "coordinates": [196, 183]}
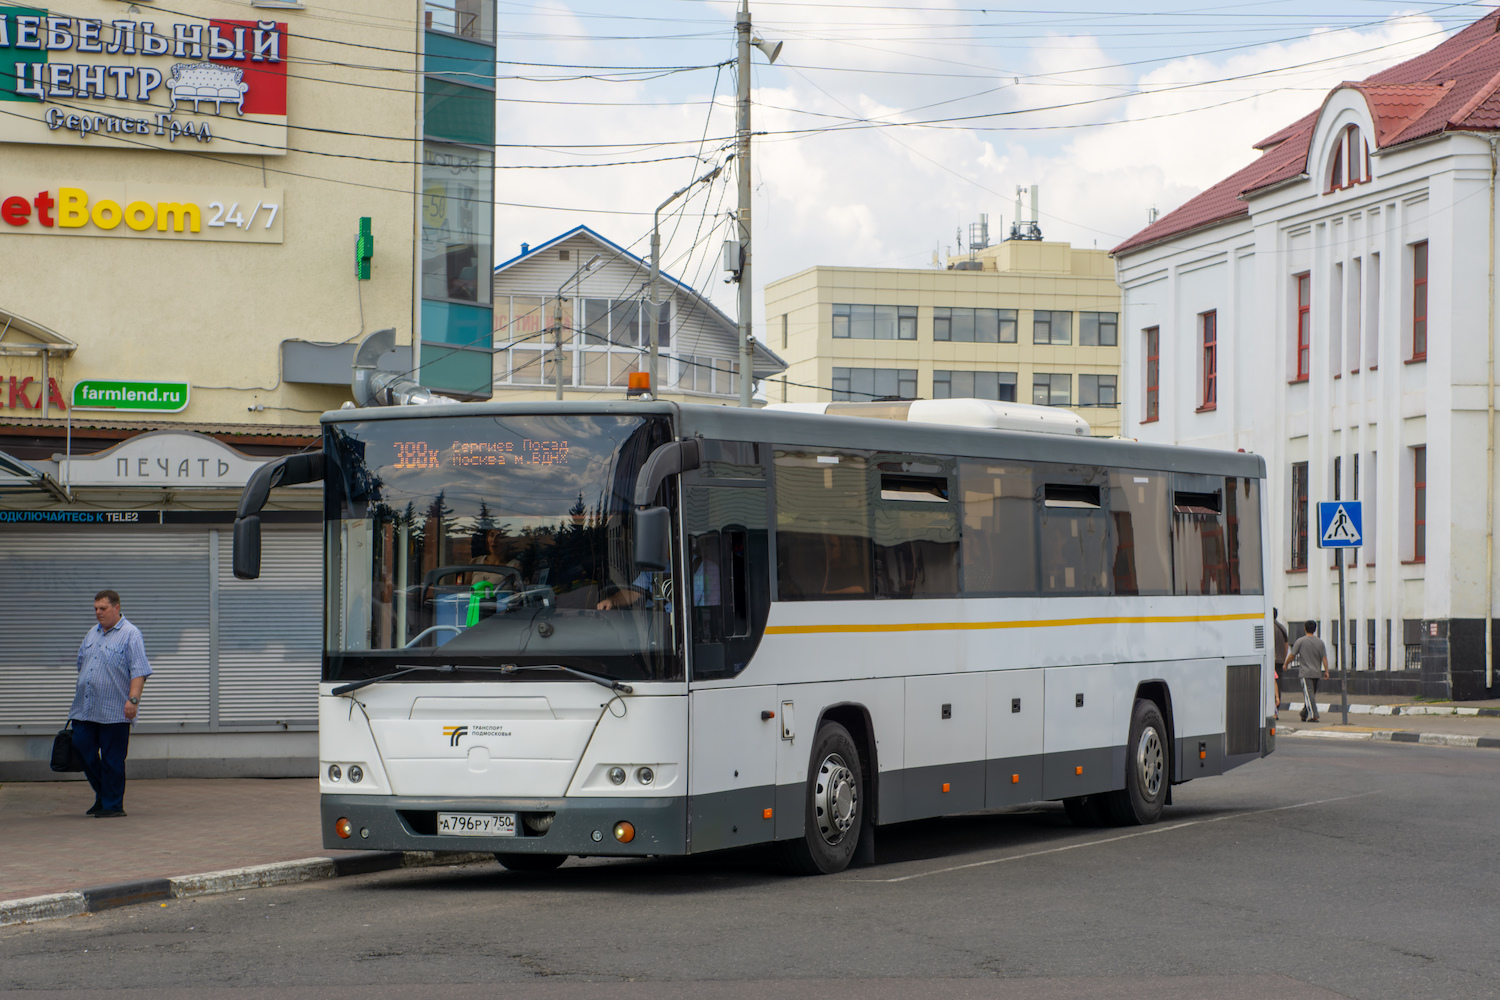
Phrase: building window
{"type": "Point", "coordinates": [860, 385]}
{"type": "Point", "coordinates": [1304, 326]}
{"type": "Point", "coordinates": [1098, 329]}
{"type": "Point", "coordinates": [783, 331]}
{"type": "Point", "coordinates": [1419, 301]}
{"type": "Point", "coordinates": [974, 326]}
{"type": "Point", "coordinates": [1153, 374]}
{"type": "Point", "coordinates": [1299, 516]}
{"type": "Point", "coordinates": [1351, 160]}
{"type": "Point", "coordinates": [1051, 327]}
{"type": "Point", "coordinates": [1419, 504]}
{"type": "Point", "coordinates": [974, 385]}
{"type": "Point", "coordinates": [1098, 390]}
{"type": "Point", "coordinates": [874, 322]}
{"type": "Point", "coordinates": [1052, 390]}
{"type": "Point", "coordinates": [1208, 328]}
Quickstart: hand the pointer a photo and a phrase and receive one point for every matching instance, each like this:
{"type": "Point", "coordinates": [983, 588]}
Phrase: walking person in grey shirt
{"type": "Point", "coordinates": [112, 671]}
{"type": "Point", "coordinates": [1311, 657]}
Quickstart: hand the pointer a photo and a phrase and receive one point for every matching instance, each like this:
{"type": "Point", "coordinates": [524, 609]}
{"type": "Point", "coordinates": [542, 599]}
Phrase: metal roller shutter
{"type": "Point", "coordinates": [48, 579]}
{"type": "Point", "coordinates": [271, 631]}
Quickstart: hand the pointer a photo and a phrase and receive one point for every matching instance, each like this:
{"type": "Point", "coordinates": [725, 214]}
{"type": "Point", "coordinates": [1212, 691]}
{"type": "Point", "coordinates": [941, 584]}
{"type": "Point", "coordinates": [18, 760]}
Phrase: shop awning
{"type": "Point", "coordinates": [19, 481]}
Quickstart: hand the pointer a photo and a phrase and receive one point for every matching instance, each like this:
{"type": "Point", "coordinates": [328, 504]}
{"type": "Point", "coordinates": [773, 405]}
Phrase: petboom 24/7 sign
{"type": "Point", "coordinates": [157, 397]}
{"type": "Point", "coordinates": [127, 83]}
{"type": "Point", "coordinates": [149, 211]}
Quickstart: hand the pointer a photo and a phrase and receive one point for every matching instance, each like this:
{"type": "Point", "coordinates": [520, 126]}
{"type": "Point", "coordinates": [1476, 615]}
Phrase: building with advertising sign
{"type": "Point", "coordinates": [204, 208]}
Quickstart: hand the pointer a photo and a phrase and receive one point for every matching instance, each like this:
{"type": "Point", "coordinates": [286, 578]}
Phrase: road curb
{"type": "Point", "coordinates": [1396, 736]}
{"type": "Point", "coordinates": [1364, 709]}
{"type": "Point", "coordinates": [95, 899]}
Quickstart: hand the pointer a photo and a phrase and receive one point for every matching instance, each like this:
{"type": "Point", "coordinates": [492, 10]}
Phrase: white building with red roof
{"type": "Point", "coordinates": [1332, 307]}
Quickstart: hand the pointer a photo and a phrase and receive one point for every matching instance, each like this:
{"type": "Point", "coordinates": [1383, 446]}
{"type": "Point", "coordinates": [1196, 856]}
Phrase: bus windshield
{"type": "Point", "coordinates": [491, 541]}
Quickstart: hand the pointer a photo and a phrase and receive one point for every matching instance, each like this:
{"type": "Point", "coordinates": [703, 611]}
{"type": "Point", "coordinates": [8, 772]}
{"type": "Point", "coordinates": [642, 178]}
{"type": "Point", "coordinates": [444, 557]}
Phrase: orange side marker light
{"type": "Point", "coordinates": [1015, 779]}
{"type": "Point", "coordinates": [1078, 770]}
{"type": "Point", "coordinates": [945, 788]}
{"type": "Point", "coordinates": [765, 814]}
{"type": "Point", "coordinates": [1203, 755]}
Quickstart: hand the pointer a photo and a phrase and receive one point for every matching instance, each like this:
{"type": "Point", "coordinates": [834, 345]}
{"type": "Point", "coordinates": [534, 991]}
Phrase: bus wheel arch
{"type": "Point", "coordinates": [1158, 692]}
{"type": "Point", "coordinates": [838, 795]}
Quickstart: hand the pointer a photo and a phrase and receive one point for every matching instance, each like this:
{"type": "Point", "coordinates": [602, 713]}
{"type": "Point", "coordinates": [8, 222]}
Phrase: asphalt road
{"type": "Point", "coordinates": [1327, 870]}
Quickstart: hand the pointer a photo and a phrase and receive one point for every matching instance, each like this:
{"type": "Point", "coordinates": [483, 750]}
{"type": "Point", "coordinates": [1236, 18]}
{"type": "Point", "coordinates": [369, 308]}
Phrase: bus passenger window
{"type": "Point", "coordinates": [1200, 555]}
{"type": "Point", "coordinates": [1242, 519]}
{"type": "Point", "coordinates": [1074, 531]}
{"type": "Point", "coordinates": [999, 529]}
{"type": "Point", "coordinates": [823, 526]}
{"type": "Point", "coordinates": [736, 584]}
{"type": "Point", "coordinates": [915, 529]}
{"type": "Point", "coordinates": [1141, 548]}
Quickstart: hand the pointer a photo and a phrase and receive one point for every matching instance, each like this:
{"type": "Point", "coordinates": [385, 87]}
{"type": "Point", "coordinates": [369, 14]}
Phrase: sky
{"type": "Point", "coordinates": [886, 126]}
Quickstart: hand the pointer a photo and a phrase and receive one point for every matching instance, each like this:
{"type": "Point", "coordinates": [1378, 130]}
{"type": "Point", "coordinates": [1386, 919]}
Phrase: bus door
{"type": "Point", "coordinates": [726, 594]}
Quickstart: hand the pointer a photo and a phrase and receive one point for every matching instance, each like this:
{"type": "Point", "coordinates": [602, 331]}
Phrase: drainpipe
{"type": "Point", "coordinates": [1489, 452]}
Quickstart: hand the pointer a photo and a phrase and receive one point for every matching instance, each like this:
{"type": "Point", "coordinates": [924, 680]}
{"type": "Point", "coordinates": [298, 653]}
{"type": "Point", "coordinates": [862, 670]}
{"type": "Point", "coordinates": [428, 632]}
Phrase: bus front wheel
{"type": "Point", "coordinates": [531, 862]}
{"type": "Point", "coordinates": [835, 809]}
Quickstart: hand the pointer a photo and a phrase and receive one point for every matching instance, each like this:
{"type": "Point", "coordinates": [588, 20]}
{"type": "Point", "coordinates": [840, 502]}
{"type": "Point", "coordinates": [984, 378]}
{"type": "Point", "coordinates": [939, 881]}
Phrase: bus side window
{"type": "Point", "coordinates": [823, 526]}
{"type": "Point", "coordinates": [1073, 529]}
{"type": "Point", "coordinates": [999, 529]}
{"type": "Point", "coordinates": [1141, 547]}
{"type": "Point", "coordinates": [1242, 518]}
{"type": "Point", "coordinates": [1200, 553]}
{"type": "Point", "coordinates": [915, 527]}
{"type": "Point", "coordinates": [736, 583]}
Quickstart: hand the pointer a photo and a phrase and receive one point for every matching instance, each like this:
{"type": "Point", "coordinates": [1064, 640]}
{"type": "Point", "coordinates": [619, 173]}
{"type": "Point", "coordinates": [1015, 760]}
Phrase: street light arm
{"type": "Point", "coordinates": [655, 298]}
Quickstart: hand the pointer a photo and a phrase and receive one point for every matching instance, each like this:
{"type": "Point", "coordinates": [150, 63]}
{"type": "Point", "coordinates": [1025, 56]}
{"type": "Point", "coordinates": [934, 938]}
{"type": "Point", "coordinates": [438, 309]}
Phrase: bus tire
{"type": "Point", "coordinates": [531, 862]}
{"type": "Point", "coordinates": [1147, 769]}
{"type": "Point", "coordinates": [835, 806]}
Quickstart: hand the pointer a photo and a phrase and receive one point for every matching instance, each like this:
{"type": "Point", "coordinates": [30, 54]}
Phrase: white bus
{"type": "Point", "coordinates": [872, 621]}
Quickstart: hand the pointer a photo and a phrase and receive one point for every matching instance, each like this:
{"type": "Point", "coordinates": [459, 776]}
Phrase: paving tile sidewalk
{"type": "Point", "coordinates": [175, 827]}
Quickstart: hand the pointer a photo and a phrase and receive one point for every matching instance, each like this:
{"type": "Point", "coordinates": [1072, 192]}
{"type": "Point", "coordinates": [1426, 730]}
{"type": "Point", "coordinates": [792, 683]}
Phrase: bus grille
{"type": "Point", "coordinates": [1242, 709]}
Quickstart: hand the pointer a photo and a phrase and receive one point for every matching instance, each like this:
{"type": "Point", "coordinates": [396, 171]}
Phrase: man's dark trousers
{"type": "Point", "coordinates": [103, 746]}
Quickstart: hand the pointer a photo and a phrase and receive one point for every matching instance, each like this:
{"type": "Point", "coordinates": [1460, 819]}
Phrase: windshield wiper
{"type": "Point", "coordinates": [608, 682]}
{"type": "Point", "coordinates": [509, 668]}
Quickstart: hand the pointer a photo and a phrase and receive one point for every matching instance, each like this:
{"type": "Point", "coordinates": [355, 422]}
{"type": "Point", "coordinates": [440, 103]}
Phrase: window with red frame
{"type": "Point", "coordinates": [1153, 373]}
{"type": "Point", "coordinates": [1304, 325]}
{"type": "Point", "coordinates": [1351, 160]}
{"type": "Point", "coordinates": [1209, 323]}
{"type": "Point", "coordinates": [1419, 504]}
{"type": "Point", "coordinates": [1299, 516]}
{"type": "Point", "coordinates": [1419, 301]}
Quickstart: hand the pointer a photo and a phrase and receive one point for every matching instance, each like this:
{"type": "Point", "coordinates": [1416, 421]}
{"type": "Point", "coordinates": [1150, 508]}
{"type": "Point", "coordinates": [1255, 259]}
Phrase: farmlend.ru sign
{"type": "Point", "coordinates": [206, 85]}
{"type": "Point", "coordinates": [155, 397]}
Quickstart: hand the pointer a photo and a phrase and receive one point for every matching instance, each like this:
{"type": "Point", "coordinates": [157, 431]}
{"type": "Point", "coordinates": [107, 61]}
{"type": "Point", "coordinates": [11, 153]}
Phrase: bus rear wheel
{"type": "Point", "coordinates": [1147, 772]}
{"type": "Point", "coordinates": [835, 809]}
{"type": "Point", "coordinates": [531, 862]}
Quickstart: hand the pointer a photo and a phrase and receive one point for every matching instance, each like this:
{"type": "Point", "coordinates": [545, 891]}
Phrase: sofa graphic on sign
{"type": "Point", "coordinates": [206, 81]}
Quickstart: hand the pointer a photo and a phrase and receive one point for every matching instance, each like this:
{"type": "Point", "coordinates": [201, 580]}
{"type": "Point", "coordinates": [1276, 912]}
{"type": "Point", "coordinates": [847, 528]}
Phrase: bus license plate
{"type": "Point", "coordinates": [477, 824]}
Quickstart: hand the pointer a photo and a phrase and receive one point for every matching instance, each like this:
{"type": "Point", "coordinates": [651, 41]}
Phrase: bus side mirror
{"type": "Point", "coordinates": [653, 551]}
{"type": "Point", "coordinates": [247, 547]}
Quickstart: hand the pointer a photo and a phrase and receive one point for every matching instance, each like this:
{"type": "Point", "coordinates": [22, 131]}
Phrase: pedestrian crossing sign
{"type": "Point", "coordinates": [1340, 525]}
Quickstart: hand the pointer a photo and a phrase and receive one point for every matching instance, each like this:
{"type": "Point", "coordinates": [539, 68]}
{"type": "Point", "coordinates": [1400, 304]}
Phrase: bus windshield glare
{"type": "Point", "coordinates": [491, 541]}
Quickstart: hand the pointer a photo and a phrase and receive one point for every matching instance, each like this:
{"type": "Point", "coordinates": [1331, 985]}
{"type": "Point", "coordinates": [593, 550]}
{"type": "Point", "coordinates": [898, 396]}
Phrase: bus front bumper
{"type": "Point", "coordinates": [579, 825]}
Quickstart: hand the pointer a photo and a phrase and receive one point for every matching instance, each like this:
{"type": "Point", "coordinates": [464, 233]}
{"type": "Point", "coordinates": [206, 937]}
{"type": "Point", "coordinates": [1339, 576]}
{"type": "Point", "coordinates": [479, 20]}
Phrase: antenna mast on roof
{"type": "Point", "coordinates": [1021, 229]}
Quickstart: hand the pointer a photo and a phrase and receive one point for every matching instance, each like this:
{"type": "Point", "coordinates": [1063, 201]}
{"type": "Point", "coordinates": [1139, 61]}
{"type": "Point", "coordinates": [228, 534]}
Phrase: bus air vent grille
{"type": "Point", "coordinates": [1260, 637]}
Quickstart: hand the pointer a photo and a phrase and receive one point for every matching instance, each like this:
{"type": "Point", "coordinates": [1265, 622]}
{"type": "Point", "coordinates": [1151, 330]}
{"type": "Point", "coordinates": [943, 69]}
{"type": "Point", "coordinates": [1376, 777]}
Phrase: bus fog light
{"type": "Point", "coordinates": [364, 832]}
{"type": "Point", "coordinates": [624, 831]}
{"type": "Point", "coordinates": [343, 828]}
{"type": "Point", "coordinates": [617, 775]}
{"type": "Point", "coordinates": [334, 773]}
{"type": "Point", "coordinates": [539, 822]}
{"type": "Point", "coordinates": [645, 775]}
{"type": "Point", "coordinates": [356, 773]}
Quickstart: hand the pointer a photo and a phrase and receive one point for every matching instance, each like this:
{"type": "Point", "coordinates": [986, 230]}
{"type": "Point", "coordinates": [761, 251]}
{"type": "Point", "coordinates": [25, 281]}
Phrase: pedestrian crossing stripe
{"type": "Point", "coordinates": [1341, 528]}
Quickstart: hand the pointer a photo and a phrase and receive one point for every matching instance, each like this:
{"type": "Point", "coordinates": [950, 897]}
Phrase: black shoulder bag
{"type": "Point", "coordinates": [65, 756]}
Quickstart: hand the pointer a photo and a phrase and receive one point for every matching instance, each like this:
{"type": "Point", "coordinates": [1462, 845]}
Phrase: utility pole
{"type": "Point", "coordinates": [742, 154]}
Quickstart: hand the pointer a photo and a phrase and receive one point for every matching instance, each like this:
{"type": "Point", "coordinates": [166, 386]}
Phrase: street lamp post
{"type": "Point", "coordinates": [557, 319]}
{"type": "Point", "coordinates": [654, 292]}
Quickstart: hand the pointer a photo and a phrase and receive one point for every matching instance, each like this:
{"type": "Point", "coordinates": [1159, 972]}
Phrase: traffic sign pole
{"type": "Point", "coordinates": [1338, 555]}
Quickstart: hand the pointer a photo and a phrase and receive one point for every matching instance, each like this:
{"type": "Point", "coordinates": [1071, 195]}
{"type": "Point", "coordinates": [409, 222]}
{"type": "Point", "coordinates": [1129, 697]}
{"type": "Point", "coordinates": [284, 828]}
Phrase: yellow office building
{"type": "Point", "coordinates": [1023, 320]}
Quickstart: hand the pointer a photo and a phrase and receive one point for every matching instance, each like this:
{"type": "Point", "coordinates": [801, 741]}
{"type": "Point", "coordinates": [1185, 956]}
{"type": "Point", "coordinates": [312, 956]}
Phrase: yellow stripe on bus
{"type": "Point", "coordinates": [1040, 623]}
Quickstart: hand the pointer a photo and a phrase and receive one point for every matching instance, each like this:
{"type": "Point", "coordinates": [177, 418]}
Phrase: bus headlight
{"type": "Point", "coordinates": [334, 773]}
{"type": "Point", "coordinates": [645, 775]}
{"type": "Point", "coordinates": [356, 773]}
{"type": "Point", "coordinates": [617, 775]}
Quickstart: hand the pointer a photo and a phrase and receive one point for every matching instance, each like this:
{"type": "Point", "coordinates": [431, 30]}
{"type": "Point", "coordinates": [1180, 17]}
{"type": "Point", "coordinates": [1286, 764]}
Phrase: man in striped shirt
{"type": "Point", "coordinates": [112, 671]}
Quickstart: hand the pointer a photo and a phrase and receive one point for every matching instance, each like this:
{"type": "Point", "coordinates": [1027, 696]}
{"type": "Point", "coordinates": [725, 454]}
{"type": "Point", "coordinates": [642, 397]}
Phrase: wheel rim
{"type": "Point", "coordinates": [835, 799]}
{"type": "Point", "coordinates": [1150, 762]}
